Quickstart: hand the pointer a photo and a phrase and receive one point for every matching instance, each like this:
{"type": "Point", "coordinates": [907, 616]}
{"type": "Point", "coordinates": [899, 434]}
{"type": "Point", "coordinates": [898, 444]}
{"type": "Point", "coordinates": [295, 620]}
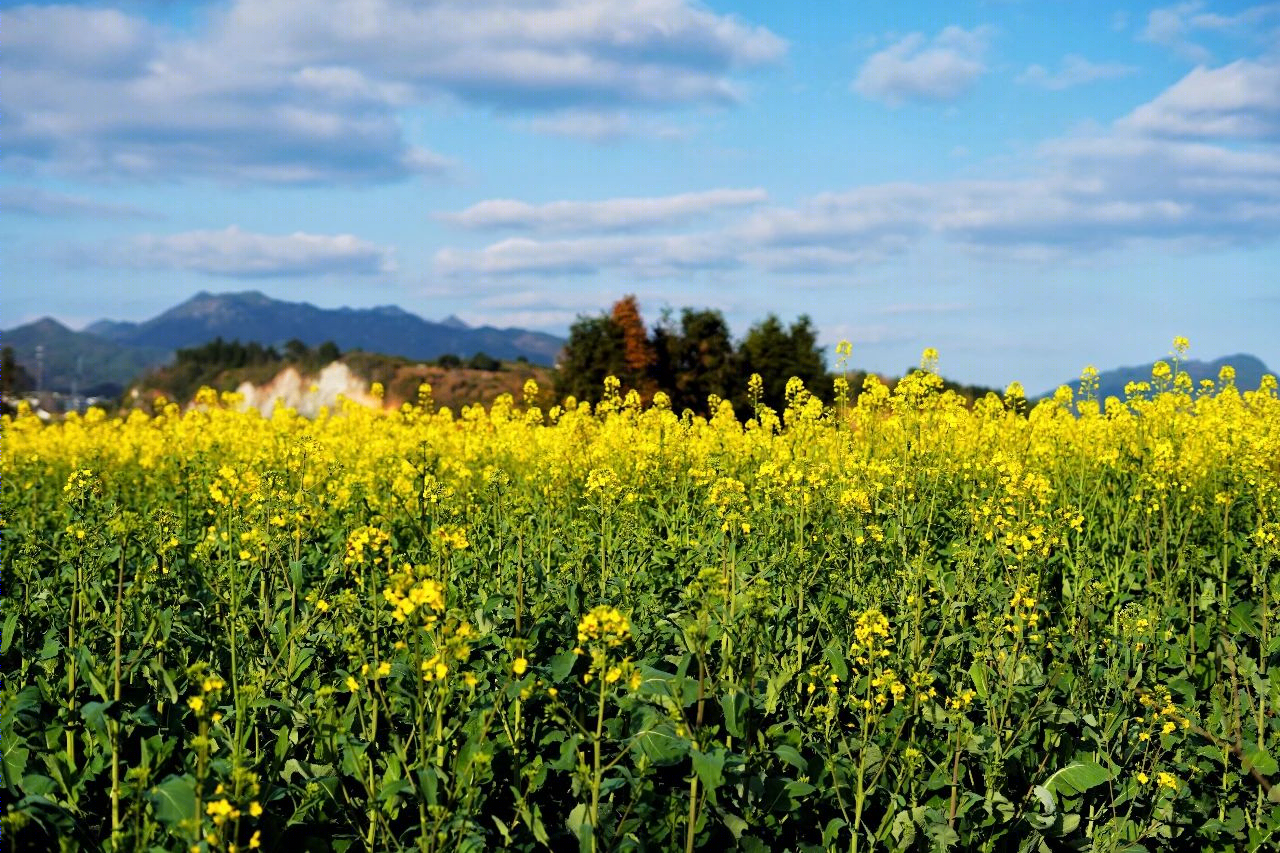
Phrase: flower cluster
{"type": "Point", "coordinates": [409, 592]}
{"type": "Point", "coordinates": [606, 625]}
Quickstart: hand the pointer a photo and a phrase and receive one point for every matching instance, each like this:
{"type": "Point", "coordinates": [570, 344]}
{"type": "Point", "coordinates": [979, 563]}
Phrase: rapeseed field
{"type": "Point", "coordinates": [895, 623]}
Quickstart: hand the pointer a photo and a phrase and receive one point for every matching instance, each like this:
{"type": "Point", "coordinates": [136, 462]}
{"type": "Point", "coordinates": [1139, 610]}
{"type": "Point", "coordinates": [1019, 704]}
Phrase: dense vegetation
{"type": "Point", "coordinates": [900, 623]}
{"type": "Point", "coordinates": [694, 358]}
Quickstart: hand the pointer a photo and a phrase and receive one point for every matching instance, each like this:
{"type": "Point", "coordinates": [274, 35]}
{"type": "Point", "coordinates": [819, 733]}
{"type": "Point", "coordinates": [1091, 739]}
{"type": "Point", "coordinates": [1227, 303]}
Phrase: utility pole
{"type": "Point", "coordinates": [39, 368]}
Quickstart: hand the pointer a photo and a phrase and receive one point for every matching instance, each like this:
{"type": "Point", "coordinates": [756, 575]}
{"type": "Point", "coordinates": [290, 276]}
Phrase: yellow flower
{"type": "Point", "coordinates": [255, 841]}
{"type": "Point", "coordinates": [352, 684]}
{"type": "Point", "coordinates": [255, 809]}
{"type": "Point", "coordinates": [1143, 778]}
{"type": "Point", "coordinates": [520, 666]}
{"type": "Point", "coordinates": [196, 703]}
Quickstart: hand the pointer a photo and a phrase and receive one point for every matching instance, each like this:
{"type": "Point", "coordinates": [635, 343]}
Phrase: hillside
{"type": "Point", "coordinates": [77, 360]}
{"type": "Point", "coordinates": [253, 316]}
{"type": "Point", "coordinates": [1111, 383]}
{"type": "Point", "coordinates": [108, 355]}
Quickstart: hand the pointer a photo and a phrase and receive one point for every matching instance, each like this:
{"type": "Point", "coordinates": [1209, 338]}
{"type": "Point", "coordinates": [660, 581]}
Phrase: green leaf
{"type": "Point", "coordinates": [1259, 759]}
{"type": "Point", "coordinates": [832, 831]}
{"type": "Point", "coordinates": [174, 800]}
{"type": "Point", "coordinates": [580, 826]}
{"type": "Point", "coordinates": [735, 824]}
{"type": "Point", "coordinates": [1076, 778]}
{"type": "Point", "coordinates": [10, 625]}
{"type": "Point", "coordinates": [791, 755]}
{"type": "Point", "coordinates": [561, 666]}
{"type": "Point", "coordinates": [735, 707]}
{"type": "Point", "coordinates": [800, 789]}
{"type": "Point", "coordinates": [709, 766]}
{"type": "Point", "coordinates": [15, 762]}
{"type": "Point", "coordinates": [978, 675]}
{"type": "Point", "coordinates": [95, 716]}
{"type": "Point", "coordinates": [837, 662]}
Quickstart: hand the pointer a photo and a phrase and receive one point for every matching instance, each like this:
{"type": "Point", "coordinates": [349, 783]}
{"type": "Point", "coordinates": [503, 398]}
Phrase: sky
{"type": "Point", "coordinates": [1029, 187]}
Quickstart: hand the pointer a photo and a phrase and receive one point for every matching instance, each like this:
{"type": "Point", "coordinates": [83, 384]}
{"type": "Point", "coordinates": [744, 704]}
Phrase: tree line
{"type": "Point", "coordinates": [693, 356]}
{"type": "Point", "coordinates": [689, 357]}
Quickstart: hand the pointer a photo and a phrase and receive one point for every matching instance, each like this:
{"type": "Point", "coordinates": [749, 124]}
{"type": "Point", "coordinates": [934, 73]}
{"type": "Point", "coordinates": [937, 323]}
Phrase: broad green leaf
{"type": "Point", "coordinates": [791, 755]}
{"type": "Point", "coordinates": [1076, 778]}
{"type": "Point", "coordinates": [734, 706]}
{"type": "Point", "coordinates": [1261, 760]}
{"type": "Point", "coordinates": [709, 766]}
{"type": "Point", "coordinates": [174, 800]}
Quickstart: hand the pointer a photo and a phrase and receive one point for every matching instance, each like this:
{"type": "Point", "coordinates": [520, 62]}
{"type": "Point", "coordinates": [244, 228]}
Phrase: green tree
{"type": "Point", "coordinates": [327, 353]}
{"type": "Point", "coordinates": [13, 376]}
{"type": "Point", "coordinates": [695, 359]}
{"type": "Point", "coordinates": [483, 361]}
{"type": "Point", "coordinates": [778, 354]}
{"type": "Point", "coordinates": [596, 348]}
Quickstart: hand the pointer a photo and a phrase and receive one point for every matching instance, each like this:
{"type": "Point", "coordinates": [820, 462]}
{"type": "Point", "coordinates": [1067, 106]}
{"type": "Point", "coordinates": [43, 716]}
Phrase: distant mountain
{"type": "Point", "coordinates": [253, 316]}
{"type": "Point", "coordinates": [109, 354]}
{"type": "Point", "coordinates": [78, 361]}
{"type": "Point", "coordinates": [1249, 373]}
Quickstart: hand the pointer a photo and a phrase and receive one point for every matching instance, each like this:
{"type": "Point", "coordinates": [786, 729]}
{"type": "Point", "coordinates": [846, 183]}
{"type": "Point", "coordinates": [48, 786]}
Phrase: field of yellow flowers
{"type": "Point", "coordinates": [898, 623]}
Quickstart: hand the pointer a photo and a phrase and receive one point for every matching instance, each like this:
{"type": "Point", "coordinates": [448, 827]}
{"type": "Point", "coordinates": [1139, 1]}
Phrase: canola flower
{"type": "Point", "coordinates": [445, 629]}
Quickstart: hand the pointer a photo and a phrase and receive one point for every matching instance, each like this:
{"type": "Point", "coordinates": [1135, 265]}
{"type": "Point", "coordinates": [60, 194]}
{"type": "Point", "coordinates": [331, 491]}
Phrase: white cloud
{"type": "Point", "coordinates": [296, 91]}
{"type": "Point", "coordinates": [915, 69]}
{"type": "Point", "coordinates": [1177, 27]}
{"type": "Point", "coordinates": [30, 201]}
{"type": "Point", "coordinates": [645, 255]}
{"type": "Point", "coordinates": [1236, 101]}
{"type": "Point", "coordinates": [1170, 26]}
{"type": "Point", "coordinates": [236, 253]}
{"type": "Point", "coordinates": [1198, 165]}
{"type": "Point", "coordinates": [606, 215]}
{"type": "Point", "coordinates": [603, 126]}
{"type": "Point", "coordinates": [1075, 71]}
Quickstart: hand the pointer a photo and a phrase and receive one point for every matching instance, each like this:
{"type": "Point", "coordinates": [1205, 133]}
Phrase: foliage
{"type": "Point", "coordinates": [779, 354]}
{"type": "Point", "coordinates": [695, 359]}
{"type": "Point", "coordinates": [14, 378]}
{"type": "Point", "coordinates": [483, 361]}
{"type": "Point", "coordinates": [226, 364]}
{"type": "Point", "coordinates": [896, 623]}
{"type": "Point", "coordinates": [596, 348]}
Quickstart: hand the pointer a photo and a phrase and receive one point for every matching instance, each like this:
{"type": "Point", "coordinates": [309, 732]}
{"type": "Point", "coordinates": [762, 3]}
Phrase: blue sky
{"type": "Point", "coordinates": [1028, 186]}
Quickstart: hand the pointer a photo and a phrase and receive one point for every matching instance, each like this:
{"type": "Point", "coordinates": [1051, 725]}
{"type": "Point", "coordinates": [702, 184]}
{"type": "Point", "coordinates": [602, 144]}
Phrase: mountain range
{"type": "Point", "coordinates": [1111, 383]}
{"type": "Point", "coordinates": [109, 354]}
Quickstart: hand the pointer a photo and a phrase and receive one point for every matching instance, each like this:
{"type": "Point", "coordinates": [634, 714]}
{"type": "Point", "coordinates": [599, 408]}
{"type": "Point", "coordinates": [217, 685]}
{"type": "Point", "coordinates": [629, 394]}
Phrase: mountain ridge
{"type": "Point", "coordinates": [114, 352]}
{"type": "Point", "coordinates": [1111, 383]}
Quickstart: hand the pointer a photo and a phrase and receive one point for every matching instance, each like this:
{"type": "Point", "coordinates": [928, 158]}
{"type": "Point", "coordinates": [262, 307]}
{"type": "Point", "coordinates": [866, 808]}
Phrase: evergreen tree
{"type": "Point", "coordinates": [695, 359]}
{"type": "Point", "coordinates": [596, 348]}
{"type": "Point", "coordinates": [13, 376]}
{"type": "Point", "coordinates": [778, 354]}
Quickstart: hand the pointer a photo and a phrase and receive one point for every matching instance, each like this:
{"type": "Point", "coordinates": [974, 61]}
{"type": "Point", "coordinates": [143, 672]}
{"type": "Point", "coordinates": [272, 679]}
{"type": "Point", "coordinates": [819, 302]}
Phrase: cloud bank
{"type": "Point", "coordinates": [311, 91]}
{"type": "Point", "coordinates": [234, 253]}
